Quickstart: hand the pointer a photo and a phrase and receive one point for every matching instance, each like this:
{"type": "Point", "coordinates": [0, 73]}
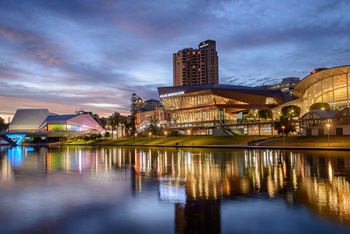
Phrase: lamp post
{"type": "Point", "coordinates": [255, 133]}
{"type": "Point", "coordinates": [328, 125]}
{"type": "Point", "coordinates": [165, 133]}
{"type": "Point", "coordinates": [283, 133]}
{"type": "Point", "coordinates": [150, 135]}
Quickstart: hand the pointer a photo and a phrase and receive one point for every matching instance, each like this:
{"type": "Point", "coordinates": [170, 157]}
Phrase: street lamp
{"type": "Point", "coordinates": [283, 133]}
{"type": "Point", "coordinates": [328, 125]}
{"type": "Point", "coordinates": [165, 133]}
{"type": "Point", "coordinates": [150, 135]}
{"type": "Point", "coordinates": [255, 133]}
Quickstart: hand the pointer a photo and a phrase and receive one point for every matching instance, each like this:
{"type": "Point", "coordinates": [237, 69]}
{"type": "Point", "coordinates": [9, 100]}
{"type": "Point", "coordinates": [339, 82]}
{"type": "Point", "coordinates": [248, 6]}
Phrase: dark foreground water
{"type": "Point", "coordinates": [168, 190]}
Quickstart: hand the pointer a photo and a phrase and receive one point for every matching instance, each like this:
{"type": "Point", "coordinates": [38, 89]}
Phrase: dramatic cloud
{"type": "Point", "coordinates": [84, 54]}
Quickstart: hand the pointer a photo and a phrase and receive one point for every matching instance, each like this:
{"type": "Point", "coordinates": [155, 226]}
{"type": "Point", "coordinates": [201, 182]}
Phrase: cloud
{"type": "Point", "coordinates": [32, 46]}
{"type": "Point", "coordinates": [73, 54]}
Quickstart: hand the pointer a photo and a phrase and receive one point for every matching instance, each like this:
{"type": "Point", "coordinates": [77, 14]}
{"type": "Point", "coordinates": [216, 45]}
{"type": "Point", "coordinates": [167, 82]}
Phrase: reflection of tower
{"type": "Point", "coordinates": [201, 211]}
{"type": "Point", "coordinates": [198, 216]}
{"type": "Point", "coordinates": [15, 155]}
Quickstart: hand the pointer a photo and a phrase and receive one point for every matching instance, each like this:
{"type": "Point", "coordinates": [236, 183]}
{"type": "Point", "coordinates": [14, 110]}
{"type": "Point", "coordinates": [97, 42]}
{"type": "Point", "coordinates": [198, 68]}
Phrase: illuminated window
{"type": "Point", "coordinates": [270, 100]}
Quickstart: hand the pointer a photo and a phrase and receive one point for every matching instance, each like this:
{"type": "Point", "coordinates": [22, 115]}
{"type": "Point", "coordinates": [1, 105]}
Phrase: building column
{"type": "Point", "coordinates": [271, 127]}
{"type": "Point", "coordinates": [321, 91]}
{"type": "Point", "coordinates": [313, 95]}
{"type": "Point", "coordinates": [347, 89]}
{"type": "Point", "coordinates": [333, 92]}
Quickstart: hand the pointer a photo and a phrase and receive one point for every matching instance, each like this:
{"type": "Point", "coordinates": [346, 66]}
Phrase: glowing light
{"type": "Point", "coordinates": [15, 155]}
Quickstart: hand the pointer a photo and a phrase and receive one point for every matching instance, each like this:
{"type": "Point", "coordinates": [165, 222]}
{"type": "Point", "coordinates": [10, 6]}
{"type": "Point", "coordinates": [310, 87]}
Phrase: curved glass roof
{"type": "Point", "coordinates": [311, 79]}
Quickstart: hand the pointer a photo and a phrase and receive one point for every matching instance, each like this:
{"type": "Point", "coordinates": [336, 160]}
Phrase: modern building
{"type": "Point", "coordinates": [322, 122]}
{"type": "Point", "coordinates": [200, 109]}
{"type": "Point", "coordinates": [28, 120]}
{"type": "Point", "coordinates": [326, 86]}
{"type": "Point", "coordinates": [286, 86]}
{"type": "Point", "coordinates": [41, 120]}
{"type": "Point", "coordinates": [148, 112]}
{"type": "Point", "coordinates": [203, 109]}
{"type": "Point", "coordinates": [321, 86]}
{"type": "Point", "coordinates": [196, 66]}
{"type": "Point", "coordinates": [70, 123]}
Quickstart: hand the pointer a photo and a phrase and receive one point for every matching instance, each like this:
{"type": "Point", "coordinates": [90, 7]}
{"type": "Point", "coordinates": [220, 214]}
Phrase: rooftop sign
{"type": "Point", "coordinates": [203, 45]}
{"type": "Point", "coordinates": [172, 94]}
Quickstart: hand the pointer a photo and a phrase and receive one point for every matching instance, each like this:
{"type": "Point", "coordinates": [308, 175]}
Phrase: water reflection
{"type": "Point", "coordinates": [196, 181]}
{"type": "Point", "coordinates": [319, 181]}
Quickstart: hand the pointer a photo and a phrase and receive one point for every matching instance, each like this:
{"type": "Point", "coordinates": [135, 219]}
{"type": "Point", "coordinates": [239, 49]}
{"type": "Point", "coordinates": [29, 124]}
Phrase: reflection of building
{"type": "Point", "coordinates": [189, 181]}
{"type": "Point", "coordinates": [196, 66]}
{"type": "Point", "coordinates": [325, 187]}
{"type": "Point", "coordinates": [202, 108]}
{"type": "Point", "coordinates": [196, 181]}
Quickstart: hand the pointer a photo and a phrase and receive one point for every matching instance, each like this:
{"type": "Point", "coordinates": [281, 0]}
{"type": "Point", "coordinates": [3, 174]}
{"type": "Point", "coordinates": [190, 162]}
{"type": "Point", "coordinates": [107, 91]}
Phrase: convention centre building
{"type": "Point", "coordinates": [204, 109]}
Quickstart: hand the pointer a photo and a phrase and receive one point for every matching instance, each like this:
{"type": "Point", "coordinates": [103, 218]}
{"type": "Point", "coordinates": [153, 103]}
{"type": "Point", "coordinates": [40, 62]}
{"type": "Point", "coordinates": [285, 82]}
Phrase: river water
{"type": "Point", "coordinates": [173, 190]}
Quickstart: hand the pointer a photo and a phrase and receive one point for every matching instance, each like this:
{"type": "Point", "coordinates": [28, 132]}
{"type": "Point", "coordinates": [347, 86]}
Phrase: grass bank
{"type": "Point", "coordinates": [300, 141]}
{"type": "Point", "coordinates": [179, 141]}
{"type": "Point", "coordinates": [310, 141]}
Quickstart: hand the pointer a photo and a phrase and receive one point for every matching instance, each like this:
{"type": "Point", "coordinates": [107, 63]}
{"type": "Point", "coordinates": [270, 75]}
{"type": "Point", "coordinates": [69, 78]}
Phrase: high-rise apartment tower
{"type": "Point", "coordinates": [196, 66]}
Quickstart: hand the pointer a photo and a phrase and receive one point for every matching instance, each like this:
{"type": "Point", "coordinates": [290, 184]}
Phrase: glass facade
{"type": "Point", "coordinates": [184, 102]}
{"type": "Point", "coordinates": [199, 110]}
{"type": "Point", "coordinates": [202, 117]}
{"type": "Point", "coordinates": [63, 128]}
{"type": "Point", "coordinates": [203, 112]}
{"type": "Point", "coordinates": [333, 90]}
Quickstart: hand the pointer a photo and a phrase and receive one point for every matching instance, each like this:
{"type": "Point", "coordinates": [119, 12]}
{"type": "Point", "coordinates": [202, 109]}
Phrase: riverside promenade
{"type": "Point", "coordinates": [246, 146]}
{"type": "Point", "coordinates": [341, 143]}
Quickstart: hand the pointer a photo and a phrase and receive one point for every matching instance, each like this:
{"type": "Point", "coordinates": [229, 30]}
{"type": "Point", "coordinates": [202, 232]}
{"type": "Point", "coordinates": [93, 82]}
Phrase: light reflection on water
{"type": "Point", "coordinates": [168, 190]}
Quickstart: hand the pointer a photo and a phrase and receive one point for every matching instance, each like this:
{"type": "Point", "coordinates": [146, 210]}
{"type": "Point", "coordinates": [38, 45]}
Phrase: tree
{"type": "Point", "coordinates": [285, 122]}
{"type": "Point", "coordinates": [291, 111]}
{"type": "Point", "coordinates": [128, 126]}
{"type": "Point", "coordinates": [133, 111]}
{"type": "Point", "coordinates": [153, 127]}
{"type": "Point", "coordinates": [3, 125]}
{"type": "Point", "coordinates": [265, 114]}
{"type": "Point", "coordinates": [123, 120]}
{"type": "Point", "coordinates": [94, 116]}
{"type": "Point", "coordinates": [103, 122]}
{"type": "Point", "coordinates": [320, 106]}
{"type": "Point", "coordinates": [114, 121]}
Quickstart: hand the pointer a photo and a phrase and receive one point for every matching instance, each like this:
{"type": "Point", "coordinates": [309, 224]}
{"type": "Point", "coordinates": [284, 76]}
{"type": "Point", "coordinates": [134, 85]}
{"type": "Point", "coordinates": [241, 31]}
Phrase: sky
{"type": "Point", "coordinates": [92, 55]}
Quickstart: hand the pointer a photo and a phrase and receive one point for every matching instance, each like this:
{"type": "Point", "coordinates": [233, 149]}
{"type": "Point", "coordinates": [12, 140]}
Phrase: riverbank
{"type": "Point", "coordinates": [292, 142]}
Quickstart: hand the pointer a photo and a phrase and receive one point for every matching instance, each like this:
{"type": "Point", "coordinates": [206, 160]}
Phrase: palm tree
{"type": "Point", "coordinates": [133, 111]}
{"type": "Point", "coordinates": [114, 121]}
{"type": "Point", "coordinates": [123, 120]}
{"type": "Point", "coordinates": [3, 125]}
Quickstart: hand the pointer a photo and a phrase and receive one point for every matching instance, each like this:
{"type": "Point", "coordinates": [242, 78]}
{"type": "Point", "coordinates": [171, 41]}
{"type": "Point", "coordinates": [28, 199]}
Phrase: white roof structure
{"type": "Point", "coordinates": [34, 120]}
{"type": "Point", "coordinates": [28, 120]}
